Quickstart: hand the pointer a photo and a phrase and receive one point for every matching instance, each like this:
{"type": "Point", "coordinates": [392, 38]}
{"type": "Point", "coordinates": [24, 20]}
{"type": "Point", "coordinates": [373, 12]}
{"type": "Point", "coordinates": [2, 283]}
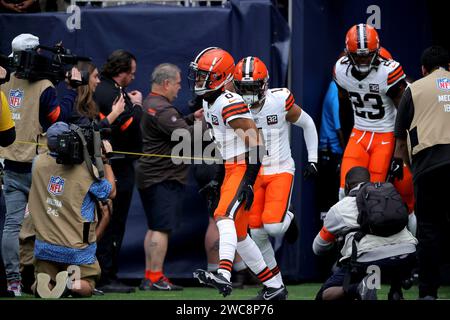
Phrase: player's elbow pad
{"type": "Point", "coordinates": [310, 135]}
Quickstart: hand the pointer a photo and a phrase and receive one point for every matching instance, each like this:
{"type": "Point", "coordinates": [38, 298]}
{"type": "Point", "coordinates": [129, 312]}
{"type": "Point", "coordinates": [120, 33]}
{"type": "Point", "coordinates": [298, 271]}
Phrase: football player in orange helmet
{"type": "Point", "coordinates": [374, 83]}
{"type": "Point", "coordinates": [242, 149]}
{"type": "Point", "coordinates": [274, 110]}
{"type": "Point", "coordinates": [210, 71]}
{"type": "Point", "coordinates": [362, 47]}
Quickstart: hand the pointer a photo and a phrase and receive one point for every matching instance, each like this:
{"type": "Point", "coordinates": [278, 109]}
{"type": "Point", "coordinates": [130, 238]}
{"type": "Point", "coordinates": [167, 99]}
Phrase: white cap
{"type": "Point", "coordinates": [24, 41]}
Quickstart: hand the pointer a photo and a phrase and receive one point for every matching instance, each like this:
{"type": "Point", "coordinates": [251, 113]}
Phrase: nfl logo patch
{"type": "Point", "coordinates": [55, 185]}
{"type": "Point", "coordinates": [443, 84]}
{"type": "Point", "coordinates": [15, 98]}
{"type": "Point", "coordinates": [215, 120]}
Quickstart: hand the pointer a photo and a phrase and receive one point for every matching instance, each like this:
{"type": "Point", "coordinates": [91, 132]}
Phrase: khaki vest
{"type": "Point", "coordinates": [23, 98]}
{"type": "Point", "coordinates": [431, 122]}
{"type": "Point", "coordinates": [55, 206]}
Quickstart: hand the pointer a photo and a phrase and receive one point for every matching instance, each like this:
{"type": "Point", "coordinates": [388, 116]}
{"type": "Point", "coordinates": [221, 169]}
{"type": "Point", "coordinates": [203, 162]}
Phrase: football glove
{"type": "Point", "coordinates": [211, 192]}
{"type": "Point", "coordinates": [245, 193]}
{"type": "Point", "coordinates": [311, 170]}
{"type": "Point", "coordinates": [396, 169]}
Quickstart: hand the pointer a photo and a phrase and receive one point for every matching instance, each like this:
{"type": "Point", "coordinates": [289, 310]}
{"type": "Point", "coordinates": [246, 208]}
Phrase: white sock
{"type": "Point", "coordinates": [253, 258]}
{"type": "Point", "coordinates": [227, 246]}
{"type": "Point", "coordinates": [261, 238]}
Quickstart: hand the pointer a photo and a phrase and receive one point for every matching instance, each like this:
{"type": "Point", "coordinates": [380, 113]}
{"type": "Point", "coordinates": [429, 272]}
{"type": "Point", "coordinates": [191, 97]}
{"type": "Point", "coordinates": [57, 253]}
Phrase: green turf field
{"type": "Point", "coordinates": [296, 292]}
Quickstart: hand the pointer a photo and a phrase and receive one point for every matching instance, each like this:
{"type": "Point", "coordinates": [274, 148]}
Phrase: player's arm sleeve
{"type": "Point", "coordinates": [310, 134]}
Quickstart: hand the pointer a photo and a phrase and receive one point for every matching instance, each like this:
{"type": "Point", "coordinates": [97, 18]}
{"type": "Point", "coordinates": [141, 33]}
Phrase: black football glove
{"type": "Point", "coordinates": [396, 169]}
{"type": "Point", "coordinates": [211, 192]}
{"type": "Point", "coordinates": [311, 170]}
{"type": "Point", "coordinates": [245, 193]}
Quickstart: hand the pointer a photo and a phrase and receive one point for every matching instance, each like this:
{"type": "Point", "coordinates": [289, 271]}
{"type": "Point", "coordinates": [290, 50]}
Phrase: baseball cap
{"type": "Point", "coordinates": [24, 41]}
{"type": "Point", "coordinates": [53, 132]}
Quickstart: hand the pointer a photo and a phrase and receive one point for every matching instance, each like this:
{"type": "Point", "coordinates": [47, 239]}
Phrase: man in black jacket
{"type": "Point", "coordinates": [118, 72]}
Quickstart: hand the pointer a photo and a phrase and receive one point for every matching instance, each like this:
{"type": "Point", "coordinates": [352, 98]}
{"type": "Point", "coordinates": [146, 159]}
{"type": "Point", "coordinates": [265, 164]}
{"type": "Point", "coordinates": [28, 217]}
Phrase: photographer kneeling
{"type": "Point", "coordinates": [62, 205]}
{"type": "Point", "coordinates": [34, 108]}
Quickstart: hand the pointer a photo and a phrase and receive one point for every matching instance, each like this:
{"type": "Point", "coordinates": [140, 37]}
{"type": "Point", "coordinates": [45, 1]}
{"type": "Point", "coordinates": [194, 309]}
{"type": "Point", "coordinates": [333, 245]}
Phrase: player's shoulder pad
{"type": "Point", "coordinates": [340, 68]}
{"type": "Point", "coordinates": [228, 97]}
{"type": "Point", "coordinates": [393, 71]}
{"type": "Point", "coordinates": [283, 96]}
{"type": "Point", "coordinates": [280, 92]}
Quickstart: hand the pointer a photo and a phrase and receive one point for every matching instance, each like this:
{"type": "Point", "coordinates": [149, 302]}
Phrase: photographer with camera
{"type": "Point", "coordinates": [117, 74]}
{"type": "Point", "coordinates": [34, 106]}
{"type": "Point", "coordinates": [62, 204]}
{"type": "Point", "coordinates": [7, 136]}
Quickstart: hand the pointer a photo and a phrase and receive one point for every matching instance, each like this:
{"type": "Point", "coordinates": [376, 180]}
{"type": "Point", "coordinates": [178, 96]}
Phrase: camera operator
{"type": "Point", "coordinates": [34, 107]}
{"type": "Point", "coordinates": [117, 73]}
{"type": "Point", "coordinates": [63, 208]}
{"type": "Point", "coordinates": [7, 136]}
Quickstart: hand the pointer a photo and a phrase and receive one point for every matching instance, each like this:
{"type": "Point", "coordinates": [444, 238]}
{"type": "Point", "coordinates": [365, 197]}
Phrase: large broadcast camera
{"type": "Point", "coordinates": [82, 144]}
{"type": "Point", "coordinates": [36, 64]}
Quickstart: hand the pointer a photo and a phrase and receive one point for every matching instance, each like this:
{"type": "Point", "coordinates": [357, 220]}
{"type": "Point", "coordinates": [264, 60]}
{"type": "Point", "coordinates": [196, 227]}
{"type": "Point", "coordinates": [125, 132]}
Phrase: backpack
{"type": "Point", "coordinates": [382, 211]}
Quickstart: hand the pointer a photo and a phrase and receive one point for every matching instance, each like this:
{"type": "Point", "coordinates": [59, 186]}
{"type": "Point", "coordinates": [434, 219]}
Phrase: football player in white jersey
{"type": "Point", "coordinates": [273, 111]}
{"type": "Point", "coordinates": [242, 149]}
{"type": "Point", "coordinates": [374, 85]}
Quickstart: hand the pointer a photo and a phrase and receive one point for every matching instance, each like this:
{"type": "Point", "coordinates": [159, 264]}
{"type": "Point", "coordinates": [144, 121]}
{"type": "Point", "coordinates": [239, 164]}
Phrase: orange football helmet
{"type": "Point", "coordinates": [211, 70]}
{"type": "Point", "coordinates": [251, 80]}
{"type": "Point", "coordinates": [362, 46]}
